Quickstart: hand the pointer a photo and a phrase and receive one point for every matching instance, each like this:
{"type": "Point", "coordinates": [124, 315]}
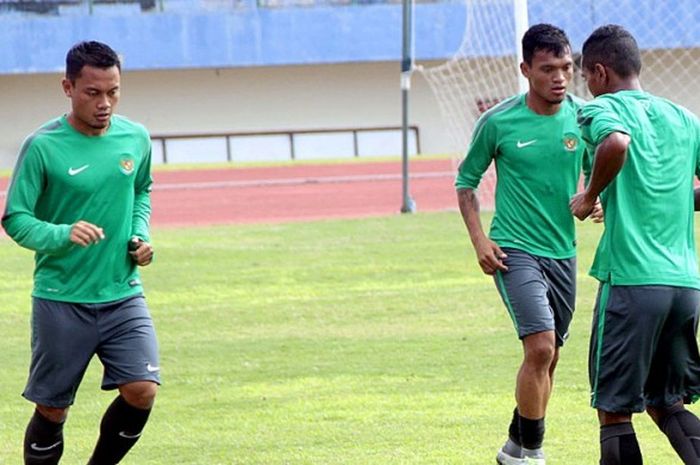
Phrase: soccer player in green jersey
{"type": "Point", "coordinates": [643, 351]}
{"type": "Point", "coordinates": [80, 198]}
{"type": "Point", "coordinates": [535, 143]}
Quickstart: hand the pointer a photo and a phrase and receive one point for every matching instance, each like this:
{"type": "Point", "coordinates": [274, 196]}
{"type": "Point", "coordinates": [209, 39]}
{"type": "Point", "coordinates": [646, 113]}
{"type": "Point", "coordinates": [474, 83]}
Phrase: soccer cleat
{"type": "Point", "coordinates": [503, 458]}
{"type": "Point", "coordinates": [534, 456]}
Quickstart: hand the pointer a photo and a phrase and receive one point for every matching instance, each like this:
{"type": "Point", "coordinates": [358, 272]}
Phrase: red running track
{"type": "Point", "coordinates": [294, 193]}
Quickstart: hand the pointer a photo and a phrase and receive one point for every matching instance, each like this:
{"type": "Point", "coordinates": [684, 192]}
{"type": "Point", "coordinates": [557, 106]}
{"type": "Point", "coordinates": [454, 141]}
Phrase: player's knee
{"type": "Point", "coordinates": [140, 394]}
{"type": "Point", "coordinates": [540, 352]}
{"type": "Point", "coordinates": [660, 414]}
{"type": "Point", "coordinates": [53, 414]}
{"type": "Point", "coordinates": [555, 357]}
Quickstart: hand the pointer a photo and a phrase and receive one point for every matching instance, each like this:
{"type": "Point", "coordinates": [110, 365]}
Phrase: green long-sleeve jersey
{"type": "Point", "coordinates": [63, 176]}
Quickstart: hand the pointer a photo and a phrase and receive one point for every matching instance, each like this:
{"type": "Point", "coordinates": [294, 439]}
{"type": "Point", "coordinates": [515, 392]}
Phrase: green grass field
{"type": "Point", "coordinates": [372, 341]}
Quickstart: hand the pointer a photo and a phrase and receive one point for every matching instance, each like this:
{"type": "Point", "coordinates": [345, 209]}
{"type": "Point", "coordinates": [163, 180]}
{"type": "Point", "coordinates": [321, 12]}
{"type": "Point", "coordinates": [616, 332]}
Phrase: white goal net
{"type": "Point", "coordinates": [485, 70]}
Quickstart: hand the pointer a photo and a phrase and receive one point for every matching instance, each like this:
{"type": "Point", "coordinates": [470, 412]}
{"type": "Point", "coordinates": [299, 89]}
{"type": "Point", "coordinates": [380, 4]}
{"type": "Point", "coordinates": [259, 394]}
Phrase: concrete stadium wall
{"type": "Point", "coordinates": [352, 95]}
{"type": "Point", "coordinates": [235, 100]}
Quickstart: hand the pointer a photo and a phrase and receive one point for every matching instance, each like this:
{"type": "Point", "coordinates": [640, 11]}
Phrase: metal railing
{"type": "Point", "coordinates": [356, 138]}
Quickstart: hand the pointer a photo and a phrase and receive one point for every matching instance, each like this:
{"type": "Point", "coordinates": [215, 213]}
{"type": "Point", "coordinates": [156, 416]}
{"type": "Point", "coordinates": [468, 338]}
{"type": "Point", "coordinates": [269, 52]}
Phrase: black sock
{"type": "Point", "coordinates": [514, 428]}
{"type": "Point", "coordinates": [43, 441]}
{"type": "Point", "coordinates": [531, 432]}
{"type": "Point", "coordinates": [121, 427]}
{"type": "Point", "coordinates": [619, 446]}
{"type": "Point", "coordinates": [683, 431]}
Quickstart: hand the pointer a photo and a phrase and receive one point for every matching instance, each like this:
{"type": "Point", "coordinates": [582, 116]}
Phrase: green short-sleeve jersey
{"type": "Point", "coordinates": [63, 176]}
{"type": "Point", "coordinates": [538, 163]}
{"type": "Point", "coordinates": [649, 206]}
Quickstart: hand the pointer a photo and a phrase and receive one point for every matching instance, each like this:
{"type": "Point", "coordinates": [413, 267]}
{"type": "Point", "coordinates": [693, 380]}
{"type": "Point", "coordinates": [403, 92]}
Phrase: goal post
{"type": "Point", "coordinates": [484, 70]}
{"type": "Point", "coordinates": [520, 18]}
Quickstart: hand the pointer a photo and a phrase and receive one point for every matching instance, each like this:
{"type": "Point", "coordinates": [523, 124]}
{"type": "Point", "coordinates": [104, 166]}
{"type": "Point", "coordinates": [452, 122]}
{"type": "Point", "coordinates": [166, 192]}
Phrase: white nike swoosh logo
{"type": "Point", "coordinates": [44, 449]}
{"type": "Point", "coordinates": [74, 171]}
{"type": "Point", "coordinates": [525, 144]}
{"type": "Point", "coordinates": [150, 368]}
{"type": "Point", "coordinates": [129, 436]}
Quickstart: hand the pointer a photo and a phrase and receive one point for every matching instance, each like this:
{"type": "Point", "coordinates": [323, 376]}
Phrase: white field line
{"type": "Point", "coordinates": [296, 181]}
{"type": "Point", "coordinates": [203, 185]}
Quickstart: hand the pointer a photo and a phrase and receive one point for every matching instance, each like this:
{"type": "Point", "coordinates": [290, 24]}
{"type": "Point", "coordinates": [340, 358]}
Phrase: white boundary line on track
{"type": "Point", "coordinates": [203, 185]}
{"type": "Point", "coordinates": [296, 181]}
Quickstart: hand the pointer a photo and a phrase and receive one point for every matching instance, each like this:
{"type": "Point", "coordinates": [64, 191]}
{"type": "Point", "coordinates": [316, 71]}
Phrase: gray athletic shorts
{"type": "Point", "coordinates": [538, 292]}
{"type": "Point", "coordinates": [643, 349]}
{"type": "Point", "coordinates": [65, 336]}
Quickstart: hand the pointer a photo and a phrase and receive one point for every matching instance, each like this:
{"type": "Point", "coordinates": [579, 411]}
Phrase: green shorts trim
{"type": "Point", "coordinates": [502, 290]}
{"type": "Point", "coordinates": [602, 302]}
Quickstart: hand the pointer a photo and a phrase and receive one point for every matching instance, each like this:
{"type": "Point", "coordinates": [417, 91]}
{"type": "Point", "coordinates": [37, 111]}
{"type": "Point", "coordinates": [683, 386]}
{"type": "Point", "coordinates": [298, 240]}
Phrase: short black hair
{"type": "Point", "coordinates": [90, 53]}
{"type": "Point", "coordinates": [544, 37]}
{"type": "Point", "coordinates": [614, 47]}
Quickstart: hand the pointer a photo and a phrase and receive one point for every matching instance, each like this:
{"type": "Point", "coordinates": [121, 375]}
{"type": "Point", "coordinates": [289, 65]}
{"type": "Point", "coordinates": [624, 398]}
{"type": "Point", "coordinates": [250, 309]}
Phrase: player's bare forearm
{"type": "Point", "coordinates": [469, 208]}
{"type": "Point", "coordinates": [489, 254]}
{"type": "Point", "coordinates": [610, 156]}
